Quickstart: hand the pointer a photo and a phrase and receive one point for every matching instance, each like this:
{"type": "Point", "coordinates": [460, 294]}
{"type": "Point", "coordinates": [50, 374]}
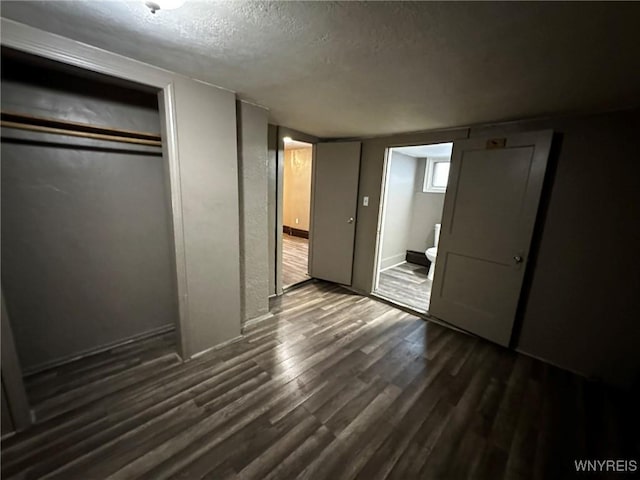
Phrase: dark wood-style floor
{"type": "Point", "coordinates": [406, 284]}
{"type": "Point", "coordinates": [74, 384]}
{"type": "Point", "coordinates": [295, 258]}
{"type": "Point", "coordinates": [334, 386]}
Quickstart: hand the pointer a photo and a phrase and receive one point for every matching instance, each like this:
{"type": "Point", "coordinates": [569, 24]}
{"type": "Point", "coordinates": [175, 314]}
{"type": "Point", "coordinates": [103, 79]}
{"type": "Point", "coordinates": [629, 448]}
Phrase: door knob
{"type": "Point", "coordinates": [350, 220]}
{"type": "Point", "coordinates": [518, 259]}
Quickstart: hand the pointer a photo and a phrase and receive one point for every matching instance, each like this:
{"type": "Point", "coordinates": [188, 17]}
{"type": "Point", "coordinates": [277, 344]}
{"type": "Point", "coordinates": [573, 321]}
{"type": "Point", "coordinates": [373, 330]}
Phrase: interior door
{"type": "Point", "coordinates": [487, 222]}
{"type": "Point", "coordinates": [336, 170]}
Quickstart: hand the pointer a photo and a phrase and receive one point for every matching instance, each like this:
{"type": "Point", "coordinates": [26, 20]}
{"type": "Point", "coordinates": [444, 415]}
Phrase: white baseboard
{"type": "Point", "coordinates": [255, 320]}
{"type": "Point", "coordinates": [216, 347]}
{"type": "Point", "coordinates": [394, 265]}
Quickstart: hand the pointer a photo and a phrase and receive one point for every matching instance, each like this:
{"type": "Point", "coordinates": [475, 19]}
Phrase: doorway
{"type": "Point", "coordinates": [296, 211]}
{"type": "Point", "coordinates": [413, 190]}
{"type": "Point", "coordinates": [88, 274]}
{"type": "Point", "coordinates": [490, 190]}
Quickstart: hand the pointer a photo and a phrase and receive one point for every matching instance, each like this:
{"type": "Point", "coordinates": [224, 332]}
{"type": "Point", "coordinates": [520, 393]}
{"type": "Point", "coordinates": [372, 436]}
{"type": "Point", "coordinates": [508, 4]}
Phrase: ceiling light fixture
{"type": "Point", "coordinates": [156, 5]}
{"type": "Point", "coordinates": [287, 139]}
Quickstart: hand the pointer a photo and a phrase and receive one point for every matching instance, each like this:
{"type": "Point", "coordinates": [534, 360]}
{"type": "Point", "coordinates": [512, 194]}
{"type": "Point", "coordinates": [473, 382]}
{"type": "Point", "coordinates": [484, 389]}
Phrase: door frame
{"type": "Point", "coordinates": [12, 381]}
{"type": "Point", "coordinates": [283, 132]}
{"type": "Point", "coordinates": [381, 216]}
{"type": "Point", "coordinates": [91, 59]}
{"type": "Point", "coordinates": [381, 208]}
{"type": "Point", "coordinates": [42, 44]}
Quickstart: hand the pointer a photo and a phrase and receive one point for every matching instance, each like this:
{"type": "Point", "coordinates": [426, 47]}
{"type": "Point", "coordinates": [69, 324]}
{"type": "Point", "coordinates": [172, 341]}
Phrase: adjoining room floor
{"type": "Point", "coordinates": [406, 284]}
{"type": "Point", "coordinates": [334, 386]}
{"type": "Point", "coordinates": [295, 255]}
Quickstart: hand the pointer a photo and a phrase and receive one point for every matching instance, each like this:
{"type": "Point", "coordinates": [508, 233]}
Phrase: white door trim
{"type": "Point", "coordinates": [381, 217]}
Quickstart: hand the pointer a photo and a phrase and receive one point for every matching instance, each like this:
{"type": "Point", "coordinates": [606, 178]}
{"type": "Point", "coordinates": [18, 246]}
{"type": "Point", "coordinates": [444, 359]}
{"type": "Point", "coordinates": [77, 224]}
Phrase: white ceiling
{"type": "Point", "coordinates": [337, 69]}
{"type": "Point", "coordinates": [424, 151]}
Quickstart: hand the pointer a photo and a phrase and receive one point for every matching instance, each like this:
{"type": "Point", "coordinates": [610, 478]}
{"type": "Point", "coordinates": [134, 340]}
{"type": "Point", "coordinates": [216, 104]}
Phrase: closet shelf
{"type": "Point", "coordinates": [53, 126]}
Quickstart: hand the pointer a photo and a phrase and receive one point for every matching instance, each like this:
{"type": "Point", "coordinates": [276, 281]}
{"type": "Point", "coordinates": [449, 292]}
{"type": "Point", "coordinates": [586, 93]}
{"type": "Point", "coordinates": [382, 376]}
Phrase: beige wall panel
{"type": "Point", "coordinates": [297, 187]}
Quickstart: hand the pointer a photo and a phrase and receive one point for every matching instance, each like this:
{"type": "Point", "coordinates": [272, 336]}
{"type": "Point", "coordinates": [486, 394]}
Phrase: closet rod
{"type": "Point", "coordinates": [74, 133]}
{"type": "Point", "coordinates": [75, 129]}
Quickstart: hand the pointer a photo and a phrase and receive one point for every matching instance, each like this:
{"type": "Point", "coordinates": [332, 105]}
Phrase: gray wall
{"type": "Point", "coordinates": [253, 183]}
{"type": "Point", "coordinates": [86, 249]}
{"type": "Point", "coordinates": [400, 192]}
{"type": "Point", "coordinates": [427, 211]}
{"type": "Point", "coordinates": [580, 299]}
{"type": "Point", "coordinates": [207, 149]}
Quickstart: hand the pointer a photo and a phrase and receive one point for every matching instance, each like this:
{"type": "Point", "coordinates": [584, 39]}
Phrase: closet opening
{"type": "Point", "coordinates": [413, 190]}
{"type": "Point", "coordinates": [296, 211]}
{"type": "Point", "coordinates": [88, 264]}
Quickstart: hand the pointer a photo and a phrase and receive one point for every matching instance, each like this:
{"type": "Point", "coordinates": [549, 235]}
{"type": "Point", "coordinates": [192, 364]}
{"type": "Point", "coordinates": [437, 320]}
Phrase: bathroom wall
{"type": "Point", "coordinates": [297, 188]}
{"type": "Point", "coordinates": [86, 232]}
{"type": "Point", "coordinates": [427, 211]}
{"type": "Point", "coordinates": [398, 215]}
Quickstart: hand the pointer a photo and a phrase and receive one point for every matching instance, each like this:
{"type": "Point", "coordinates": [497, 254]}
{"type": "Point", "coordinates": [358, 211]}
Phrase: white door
{"type": "Point", "coordinates": [336, 171]}
{"type": "Point", "coordinates": [487, 222]}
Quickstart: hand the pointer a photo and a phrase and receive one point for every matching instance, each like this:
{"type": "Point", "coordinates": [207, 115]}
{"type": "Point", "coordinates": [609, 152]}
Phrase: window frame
{"type": "Point", "coordinates": [427, 186]}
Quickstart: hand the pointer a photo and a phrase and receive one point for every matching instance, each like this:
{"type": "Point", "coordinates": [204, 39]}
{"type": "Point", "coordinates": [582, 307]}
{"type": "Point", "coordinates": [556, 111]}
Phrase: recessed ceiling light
{"type": "Point", "coordinates": [287, 139]}
{"type": "Point", "coordinates": [156, 5]}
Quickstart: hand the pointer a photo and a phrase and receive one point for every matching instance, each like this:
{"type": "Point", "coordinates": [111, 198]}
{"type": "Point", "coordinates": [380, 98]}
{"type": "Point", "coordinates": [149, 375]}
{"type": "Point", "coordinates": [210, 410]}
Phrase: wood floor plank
{"type": "Point", "coordinates": [279, 450]}
{"type": "Point", "coordinates": [295, 253]}
{"type": "Point", "coordinates": [304, 454]}
{"type": "Point", "coordinates": [406, 284]}
{"type": "Point", "coordinates": [415, 455]}
{"type": "Point", "coordinates": [332, 385]}
{"type": "Point", "coordinates": [112, 455]}
{"type": "Point", "coordinates": [348, 442]}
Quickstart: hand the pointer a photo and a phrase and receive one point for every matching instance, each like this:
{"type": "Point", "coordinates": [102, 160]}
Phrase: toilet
{"type": "Point", "coordinates": [432, 252]}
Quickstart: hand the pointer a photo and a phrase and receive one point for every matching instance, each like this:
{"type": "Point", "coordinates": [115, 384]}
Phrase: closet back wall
{"type": "Point", "coordinates": [86, 252]}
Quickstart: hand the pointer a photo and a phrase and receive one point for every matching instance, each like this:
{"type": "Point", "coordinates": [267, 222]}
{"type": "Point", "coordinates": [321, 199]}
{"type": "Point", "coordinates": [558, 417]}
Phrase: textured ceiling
{"type": "Point", "coordinates": [336, 69]}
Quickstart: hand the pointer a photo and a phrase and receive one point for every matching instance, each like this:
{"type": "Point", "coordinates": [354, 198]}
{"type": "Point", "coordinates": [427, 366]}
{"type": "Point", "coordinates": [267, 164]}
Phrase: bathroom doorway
{"type": "Point", "coordinates": [413, 189]}
{"type": "Point", "coordinates": [296, 211]}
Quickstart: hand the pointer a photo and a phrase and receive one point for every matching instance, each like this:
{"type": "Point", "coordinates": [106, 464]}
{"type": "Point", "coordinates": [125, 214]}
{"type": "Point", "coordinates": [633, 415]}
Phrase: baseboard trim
{"type": "Point", "coordinates": [554, 364]}
{"type": "Point", "coordinates": [295, 232]}
{"type": "Point", "coordinates": [256, 320]}
{"type": "Point", "coordinates": [27, 372]}
{"type": "Point", "coordinates": [294, 286]}
{"type": "Point", "coordinates": [215, 347]}
{"type": "Point", "coordinates": [392, 266]}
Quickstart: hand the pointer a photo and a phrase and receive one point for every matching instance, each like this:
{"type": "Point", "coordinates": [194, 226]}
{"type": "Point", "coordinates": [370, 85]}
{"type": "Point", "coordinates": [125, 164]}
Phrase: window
{"type": "Point", "coordinates": [436, 175]}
